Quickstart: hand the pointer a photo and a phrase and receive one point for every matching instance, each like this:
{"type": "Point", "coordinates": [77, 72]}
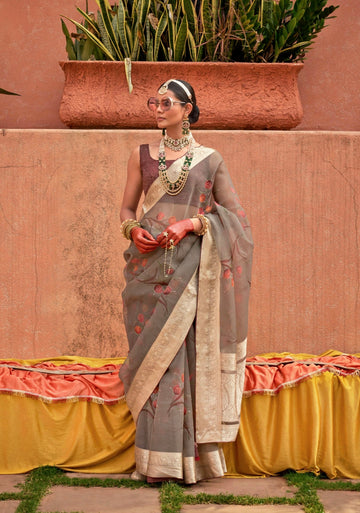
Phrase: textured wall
{"type": "Point", "coordinates": [61, 251]}
{"type": "Point", "coordinates": [33, 43]}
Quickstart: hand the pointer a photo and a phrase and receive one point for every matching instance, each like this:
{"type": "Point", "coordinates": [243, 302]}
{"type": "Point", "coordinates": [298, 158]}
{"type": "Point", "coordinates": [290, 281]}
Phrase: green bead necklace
{"type": "Point", "coordinates": [176, 186]}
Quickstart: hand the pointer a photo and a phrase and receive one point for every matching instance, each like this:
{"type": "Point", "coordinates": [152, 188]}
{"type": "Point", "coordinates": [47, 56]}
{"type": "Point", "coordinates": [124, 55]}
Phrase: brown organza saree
{"type": "Point", "coordinates": [187, 331]}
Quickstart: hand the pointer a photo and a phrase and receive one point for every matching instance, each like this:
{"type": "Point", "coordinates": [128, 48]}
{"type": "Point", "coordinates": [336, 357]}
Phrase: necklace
{"type": "Point", "coordinates": [173, 187]}
{"type": "Point", "coordinates": [167, 264]}
{"type": "Point", "coordinates": [176, 144]}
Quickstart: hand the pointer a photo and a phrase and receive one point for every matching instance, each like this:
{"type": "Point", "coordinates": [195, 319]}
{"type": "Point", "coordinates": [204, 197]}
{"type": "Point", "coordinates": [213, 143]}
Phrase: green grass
{"type": "Point", "coordinates": [172, 495]}
{"type": "Point", "coordinates": [306, 494]}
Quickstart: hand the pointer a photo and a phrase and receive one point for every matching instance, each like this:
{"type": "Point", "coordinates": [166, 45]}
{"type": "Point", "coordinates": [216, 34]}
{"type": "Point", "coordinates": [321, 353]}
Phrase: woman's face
{"type": "Point", "coordinates": [175, 115]}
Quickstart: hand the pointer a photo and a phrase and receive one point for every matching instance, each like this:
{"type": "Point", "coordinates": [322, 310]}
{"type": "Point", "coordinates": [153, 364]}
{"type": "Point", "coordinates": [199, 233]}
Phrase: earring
{"type": "Point", "coordinates": [185, 127]}
{"type": "Point", "coordinates": [163, 132]}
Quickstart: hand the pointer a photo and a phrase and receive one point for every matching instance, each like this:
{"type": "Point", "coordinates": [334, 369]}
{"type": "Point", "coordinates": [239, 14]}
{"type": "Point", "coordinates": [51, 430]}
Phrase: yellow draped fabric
{"type": "Point", "coordinates": [77, 436]}
{"type": "Point", "coordinates": [312, 426]}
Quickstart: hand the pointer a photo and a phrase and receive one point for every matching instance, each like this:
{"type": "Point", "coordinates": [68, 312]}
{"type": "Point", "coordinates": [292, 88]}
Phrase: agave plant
{"type": "Point", "coordinates": [278, 31]}
{"type": "Point", "coordinates": [196, 30]}
{"type": "Point", "coordinates": [261, 30]}
{"type": "Point", "coordinates": [129, 30]}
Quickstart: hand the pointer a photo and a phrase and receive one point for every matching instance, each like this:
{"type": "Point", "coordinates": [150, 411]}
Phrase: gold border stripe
{"type": "Point", "coordinates": [208, 372]}
{"type": "Point", "coordinates": [164, 349]}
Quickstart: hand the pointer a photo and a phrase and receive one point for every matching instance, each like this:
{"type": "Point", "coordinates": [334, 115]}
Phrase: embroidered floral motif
{"type": "Point", "coordinates": [177, 389]}
{"type": "Point", "coordinates": [226, 274]}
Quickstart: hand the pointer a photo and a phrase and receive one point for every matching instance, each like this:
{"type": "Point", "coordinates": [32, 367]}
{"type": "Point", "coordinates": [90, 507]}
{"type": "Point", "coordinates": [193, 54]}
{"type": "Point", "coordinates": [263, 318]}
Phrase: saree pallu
{"type": "Point", "coordinates": [186, 322]}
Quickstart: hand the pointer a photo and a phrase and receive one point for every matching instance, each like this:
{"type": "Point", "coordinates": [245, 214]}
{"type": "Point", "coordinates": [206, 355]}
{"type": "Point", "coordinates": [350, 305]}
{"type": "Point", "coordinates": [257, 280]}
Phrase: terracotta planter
{"type": "Point", "coordinates": [230, 95]}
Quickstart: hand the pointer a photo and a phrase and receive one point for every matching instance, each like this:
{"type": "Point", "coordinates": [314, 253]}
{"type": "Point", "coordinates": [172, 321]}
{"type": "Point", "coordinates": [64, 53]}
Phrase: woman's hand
{"type": "Point", "coordinates": [143, 240]}
{"type": "Point", "coordinates": [175, 232]}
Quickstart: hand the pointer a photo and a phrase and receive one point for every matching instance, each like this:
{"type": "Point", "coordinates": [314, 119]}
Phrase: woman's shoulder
{"type": "Point", "coordinates": [141, 152]}
{"type": "Point", "coordinates": [209, 152]}
{"type": "Point", "coordinates": [144, 148]}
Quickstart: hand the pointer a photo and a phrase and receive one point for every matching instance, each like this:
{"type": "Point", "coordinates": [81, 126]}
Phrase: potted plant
{"type": "Point", "coordinates": [244, 55]}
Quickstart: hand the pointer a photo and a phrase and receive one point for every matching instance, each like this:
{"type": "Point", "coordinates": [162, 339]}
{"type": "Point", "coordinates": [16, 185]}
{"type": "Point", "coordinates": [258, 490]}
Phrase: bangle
{"type": "Point", "coordinates": [127, 226]}
{"type": "Point", "coordinates": [204, 224]}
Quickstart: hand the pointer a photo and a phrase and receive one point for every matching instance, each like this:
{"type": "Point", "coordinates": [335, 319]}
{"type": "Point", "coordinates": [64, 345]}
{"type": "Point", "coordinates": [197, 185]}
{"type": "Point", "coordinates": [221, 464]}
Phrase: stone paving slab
{"type": "Point", "coordinates": [261, 487]}
{"type": "Point", "coordinates": [83, 475]}
{"type": "Point", "coordinates": [101, 500]}
{"type": "Point", "coordinates": [8, 482]}
{"type": "Point", "coordinates": [337, 501]}
{"type": "Point", "coordinates": [8, 506]}
{"type": "Point", "coordinates": [263, 508]}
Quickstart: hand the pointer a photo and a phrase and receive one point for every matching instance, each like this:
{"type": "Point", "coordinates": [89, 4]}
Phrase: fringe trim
{"type": "Point", "coordinates": [296, 382]}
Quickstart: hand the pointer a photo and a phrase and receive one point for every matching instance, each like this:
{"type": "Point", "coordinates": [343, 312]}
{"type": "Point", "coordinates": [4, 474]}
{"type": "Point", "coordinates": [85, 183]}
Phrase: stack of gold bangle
{"type": "Point", "coordinates": [127, 226]}
{"type": "Point", "coordinates": [204, 224]}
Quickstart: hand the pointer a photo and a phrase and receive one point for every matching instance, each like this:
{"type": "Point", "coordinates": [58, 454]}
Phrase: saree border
{"type": "Point", "coordinates": [164, 349]}
{"type": "Point", "coordinates": [219, 375]}
{"type": "Point", "coordinates": [208, 371]}
{"type": "Point", "coordinates": [160, 464]}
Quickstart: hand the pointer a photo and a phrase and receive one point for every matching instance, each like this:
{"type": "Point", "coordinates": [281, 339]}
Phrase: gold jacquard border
{"type": "Point", "coordinates": [208, 372]}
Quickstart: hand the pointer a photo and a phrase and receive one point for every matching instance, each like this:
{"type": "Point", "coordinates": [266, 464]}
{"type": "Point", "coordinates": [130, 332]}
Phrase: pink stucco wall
{"type": "Point", "coordinates": [61, 250]}
{"type": "Point", "coordinates": [32, 44]}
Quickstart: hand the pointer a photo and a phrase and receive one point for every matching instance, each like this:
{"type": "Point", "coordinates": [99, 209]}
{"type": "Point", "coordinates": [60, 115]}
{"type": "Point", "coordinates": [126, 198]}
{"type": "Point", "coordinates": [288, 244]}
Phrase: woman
{"type": "Point", "coordinates": [185, 302]}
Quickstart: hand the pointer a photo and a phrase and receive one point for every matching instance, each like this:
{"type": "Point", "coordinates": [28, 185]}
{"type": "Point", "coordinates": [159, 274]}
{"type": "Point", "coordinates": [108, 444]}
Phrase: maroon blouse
{"type": "Point", "coordinates": [149, 166]}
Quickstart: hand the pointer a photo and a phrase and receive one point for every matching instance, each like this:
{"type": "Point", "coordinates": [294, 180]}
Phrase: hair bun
{"type": "Point", "coordinates": [194, 114]}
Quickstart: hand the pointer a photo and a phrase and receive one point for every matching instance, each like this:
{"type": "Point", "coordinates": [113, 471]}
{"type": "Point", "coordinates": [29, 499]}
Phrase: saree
{"type": "Point", "coordinates": [186, 323]}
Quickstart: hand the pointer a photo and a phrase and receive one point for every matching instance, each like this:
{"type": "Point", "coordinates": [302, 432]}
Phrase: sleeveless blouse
{"type": "Point", "coordinates": [149, 167]}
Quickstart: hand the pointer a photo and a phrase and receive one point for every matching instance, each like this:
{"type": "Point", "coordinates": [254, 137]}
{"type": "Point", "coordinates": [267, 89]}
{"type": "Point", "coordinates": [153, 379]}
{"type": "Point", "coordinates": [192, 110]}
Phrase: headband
{"type": "Point", "coordinates": [165, 87]}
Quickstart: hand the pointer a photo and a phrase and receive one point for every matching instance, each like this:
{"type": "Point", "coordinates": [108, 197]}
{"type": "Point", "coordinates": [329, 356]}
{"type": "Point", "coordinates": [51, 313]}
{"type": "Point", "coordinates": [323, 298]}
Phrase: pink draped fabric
{"type": "Point", "coordinates": [51, 382]}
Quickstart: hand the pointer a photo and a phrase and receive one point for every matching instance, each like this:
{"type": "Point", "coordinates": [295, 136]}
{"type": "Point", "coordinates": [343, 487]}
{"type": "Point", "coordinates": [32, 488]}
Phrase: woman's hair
{"type": "Point", "coordinates": [183, 97]}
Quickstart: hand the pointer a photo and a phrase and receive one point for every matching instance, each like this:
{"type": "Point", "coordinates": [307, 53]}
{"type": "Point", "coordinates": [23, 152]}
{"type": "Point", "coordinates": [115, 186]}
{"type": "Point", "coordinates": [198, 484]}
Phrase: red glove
{"type": "Point", "coordinates": [175, 233]}
{"type": "Point", "coordinates": [143, 240]}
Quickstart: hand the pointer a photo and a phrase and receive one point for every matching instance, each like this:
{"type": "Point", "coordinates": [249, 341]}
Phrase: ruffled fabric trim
{"type": "Point", "coordinates": [63, 380]}
{"type": "Point", "coordinates": [71, 379]}
{"type": "Point", "coordinates": [268, 374]}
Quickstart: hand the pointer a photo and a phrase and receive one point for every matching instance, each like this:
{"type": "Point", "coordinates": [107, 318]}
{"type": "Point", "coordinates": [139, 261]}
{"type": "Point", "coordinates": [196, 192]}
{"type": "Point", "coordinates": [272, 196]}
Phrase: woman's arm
{"type": "Point", "coordinates": [133, 187]}
{"type": "Point", "coordinates": [142, 239]}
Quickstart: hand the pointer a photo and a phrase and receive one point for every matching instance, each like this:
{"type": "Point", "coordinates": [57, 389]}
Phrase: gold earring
{"type": "Point", "coordinates": [185, 126]}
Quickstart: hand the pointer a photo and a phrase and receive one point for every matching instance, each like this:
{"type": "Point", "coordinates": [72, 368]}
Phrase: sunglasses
{"type": "Point", "coordinates": [165, 103]}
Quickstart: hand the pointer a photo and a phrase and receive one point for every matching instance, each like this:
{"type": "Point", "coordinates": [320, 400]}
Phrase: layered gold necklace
{"type": "Point", "coordinates": [170, 186]}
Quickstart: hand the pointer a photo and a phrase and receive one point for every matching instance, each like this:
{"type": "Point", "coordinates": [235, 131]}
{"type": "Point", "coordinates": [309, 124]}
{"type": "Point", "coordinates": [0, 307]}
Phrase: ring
{"type": "Point", "coordinates": [165, 234]}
